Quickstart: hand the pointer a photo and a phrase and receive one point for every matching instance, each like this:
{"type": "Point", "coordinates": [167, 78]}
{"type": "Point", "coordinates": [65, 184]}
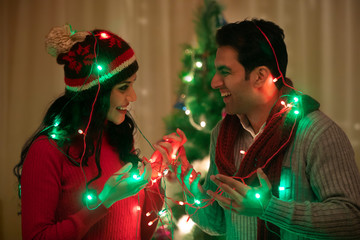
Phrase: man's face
{"type": "Point", "coordinates": [229, 79]}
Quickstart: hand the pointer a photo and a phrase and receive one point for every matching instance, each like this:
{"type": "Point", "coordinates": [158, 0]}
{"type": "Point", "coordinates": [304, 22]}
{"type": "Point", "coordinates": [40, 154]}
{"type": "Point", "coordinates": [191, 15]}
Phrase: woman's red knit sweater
{"type": "Point", "coordinates": [51, 198]}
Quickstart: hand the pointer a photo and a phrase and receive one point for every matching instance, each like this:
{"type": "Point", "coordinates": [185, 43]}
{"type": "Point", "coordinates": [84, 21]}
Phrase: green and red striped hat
{"type": "Point", "coordinates": [95, 58]}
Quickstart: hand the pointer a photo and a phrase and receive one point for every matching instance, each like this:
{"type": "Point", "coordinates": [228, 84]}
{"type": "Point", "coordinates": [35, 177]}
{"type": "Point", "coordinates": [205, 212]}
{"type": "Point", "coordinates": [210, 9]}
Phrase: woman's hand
{"type": "Point", "coordinates": [123, 184]}
{"type": "Point", "coordinates": [168, 152]}
{"type": "Point", "coordinates": [173, 143]}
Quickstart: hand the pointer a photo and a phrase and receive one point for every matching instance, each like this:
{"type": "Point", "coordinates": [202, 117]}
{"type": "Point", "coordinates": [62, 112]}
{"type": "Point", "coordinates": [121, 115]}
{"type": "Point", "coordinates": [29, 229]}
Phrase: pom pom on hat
{"type": "Point", "coordinates": [91, 58]}
{"type": "Point", "coordinates": [61, 39]}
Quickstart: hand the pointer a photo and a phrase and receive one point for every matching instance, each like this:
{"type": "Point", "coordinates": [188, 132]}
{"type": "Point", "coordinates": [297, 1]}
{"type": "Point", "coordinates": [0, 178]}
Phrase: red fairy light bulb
{"type": "Point", "coordinates": [104, 35]}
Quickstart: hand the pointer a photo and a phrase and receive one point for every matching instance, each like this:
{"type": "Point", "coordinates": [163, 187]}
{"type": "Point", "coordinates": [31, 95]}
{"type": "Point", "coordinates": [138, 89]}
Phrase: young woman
{"type": "Point", "coordinates": [80, 176]}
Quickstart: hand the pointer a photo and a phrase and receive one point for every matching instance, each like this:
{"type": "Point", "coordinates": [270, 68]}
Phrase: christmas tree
{"type": "Point", "coordinates": [198, 107]}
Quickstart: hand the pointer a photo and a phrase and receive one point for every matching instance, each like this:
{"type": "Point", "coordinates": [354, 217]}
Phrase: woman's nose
{"type": "Point", "coordinates": [131, 97]}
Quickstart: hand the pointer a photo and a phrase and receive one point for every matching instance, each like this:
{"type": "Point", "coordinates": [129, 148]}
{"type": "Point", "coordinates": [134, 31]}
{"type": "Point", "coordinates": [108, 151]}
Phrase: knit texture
{"type": "Point", "coordinates": [267, 151]}
{"type": "Point", "coordinates": [91, 59]}
{"type": "Point", "coordinates": [52, 189]}
{"type": "Point", "coordinates": [321, 196]}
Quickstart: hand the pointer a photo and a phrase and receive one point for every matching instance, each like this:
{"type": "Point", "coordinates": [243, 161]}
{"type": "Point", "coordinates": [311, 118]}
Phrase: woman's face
{"type": "Point", "coordinates": [121, 95]}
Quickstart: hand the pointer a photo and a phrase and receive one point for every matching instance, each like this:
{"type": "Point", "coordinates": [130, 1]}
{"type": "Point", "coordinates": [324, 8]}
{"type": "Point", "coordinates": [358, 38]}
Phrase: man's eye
{"type": "Point", "coordinates": [224, 73]}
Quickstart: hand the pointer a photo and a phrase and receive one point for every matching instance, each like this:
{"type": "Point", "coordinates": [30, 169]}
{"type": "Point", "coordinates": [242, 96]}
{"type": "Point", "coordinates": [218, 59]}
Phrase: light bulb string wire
{"type": "Point", "coordinates": [220, 192]}
{"type": "Point", "coordinates": [88, 76]}
{"type": "Point", "coordinates": [277, 62]}
{"type": "Point", "coordinates": [163, 196]}
{"type": "Point", "coordinates": [80, 163]}
{"type": "Point", "coordinates": [207, 202]}
{"type": "Point", "coordinates": [96, 49]}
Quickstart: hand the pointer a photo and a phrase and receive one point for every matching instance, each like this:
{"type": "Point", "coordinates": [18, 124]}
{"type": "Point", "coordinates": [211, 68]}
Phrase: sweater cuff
{"type": "Point", "coordinates": [85, 219]}
{"type": "Point", "coordinates": [272, 207]}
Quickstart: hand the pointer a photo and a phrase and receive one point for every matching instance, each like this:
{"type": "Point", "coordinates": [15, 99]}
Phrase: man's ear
{"type": "Point", "coordinates": [261, 75]}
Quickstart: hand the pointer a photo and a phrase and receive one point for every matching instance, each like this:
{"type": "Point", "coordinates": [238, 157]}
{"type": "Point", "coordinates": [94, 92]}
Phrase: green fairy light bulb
{"type": "Point", "coordinates": [56, 121]}
{"type": "Point", "coordinates": [136, 177]}
{"type": "Point", "coordinates": [19, 190]}
{"type": "Point", "coordinates": [198, 64]}
{"type": "Point", "coordinates": [162, 213]}
{"type": "Point", "coordinates": [90, 197]}
{"type": "Point", "coordinates": [188, 78]}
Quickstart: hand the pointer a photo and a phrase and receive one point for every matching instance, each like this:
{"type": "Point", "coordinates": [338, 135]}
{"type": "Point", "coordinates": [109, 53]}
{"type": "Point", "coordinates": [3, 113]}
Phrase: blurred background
{"type": "Point", "coordinates": [322, 39]}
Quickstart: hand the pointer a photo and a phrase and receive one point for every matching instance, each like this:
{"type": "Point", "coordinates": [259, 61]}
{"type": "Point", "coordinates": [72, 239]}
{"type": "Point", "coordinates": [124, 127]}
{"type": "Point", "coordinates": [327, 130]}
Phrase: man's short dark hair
{"type": "Point", "coordinates": [253, 49]}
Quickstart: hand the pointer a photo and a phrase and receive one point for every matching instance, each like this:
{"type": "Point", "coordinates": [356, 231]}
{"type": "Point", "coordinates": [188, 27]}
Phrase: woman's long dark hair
{"type": "Point", "coordinates": [68, 114]}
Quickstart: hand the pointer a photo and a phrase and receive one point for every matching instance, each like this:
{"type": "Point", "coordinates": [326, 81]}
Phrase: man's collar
{"type": "Point", "coordinates": [247, 126]}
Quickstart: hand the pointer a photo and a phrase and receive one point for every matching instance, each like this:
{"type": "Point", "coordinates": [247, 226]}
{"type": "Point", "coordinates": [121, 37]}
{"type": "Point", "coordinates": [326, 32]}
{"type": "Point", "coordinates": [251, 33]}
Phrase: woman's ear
{"type": "Point", "coordinates": [262, 73]}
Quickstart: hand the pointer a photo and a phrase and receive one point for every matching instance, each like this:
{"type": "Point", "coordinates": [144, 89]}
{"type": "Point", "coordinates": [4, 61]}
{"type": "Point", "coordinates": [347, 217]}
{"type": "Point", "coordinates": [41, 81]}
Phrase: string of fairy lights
{"type": "Point", "coordinates": [165, 215]}
{"type": "Point", "coordinates": [292, 107]}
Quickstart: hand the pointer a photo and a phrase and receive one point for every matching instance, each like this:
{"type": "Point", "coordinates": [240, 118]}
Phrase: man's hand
{"type": "Point", "coordinates": [243, 199]}
{"type": "Point", "coordinates": [189, 180]}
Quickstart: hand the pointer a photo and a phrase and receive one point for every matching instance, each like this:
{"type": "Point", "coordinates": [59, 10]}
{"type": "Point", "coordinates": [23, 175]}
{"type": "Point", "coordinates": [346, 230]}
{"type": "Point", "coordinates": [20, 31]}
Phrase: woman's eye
{"type": "Point", "coordinates": [123, 88]}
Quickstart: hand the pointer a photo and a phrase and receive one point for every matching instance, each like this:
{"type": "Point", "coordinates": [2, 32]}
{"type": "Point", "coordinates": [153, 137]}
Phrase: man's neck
{"type": "Point", "coordinates": [258, 117]}
{"type": "Point", "coordinates": [256, 121]}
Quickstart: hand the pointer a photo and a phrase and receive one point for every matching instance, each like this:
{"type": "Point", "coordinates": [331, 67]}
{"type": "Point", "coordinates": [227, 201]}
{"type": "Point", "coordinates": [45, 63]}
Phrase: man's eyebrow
{"type": "Point", "coordinates": [222, 67]}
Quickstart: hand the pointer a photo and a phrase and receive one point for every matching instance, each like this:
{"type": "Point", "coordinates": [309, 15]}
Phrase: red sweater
{"type": "Point", "coordinates": [52, 190]}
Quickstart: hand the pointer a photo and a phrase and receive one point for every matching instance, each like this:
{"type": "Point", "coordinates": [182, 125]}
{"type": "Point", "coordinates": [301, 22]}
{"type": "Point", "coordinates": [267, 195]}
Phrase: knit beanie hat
{"type": "Point", "coordinates": [90, 59]}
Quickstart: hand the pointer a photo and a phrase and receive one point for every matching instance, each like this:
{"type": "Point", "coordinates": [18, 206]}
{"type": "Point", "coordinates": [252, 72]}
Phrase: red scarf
{"type": "Point", "coordinates": [268, 149]}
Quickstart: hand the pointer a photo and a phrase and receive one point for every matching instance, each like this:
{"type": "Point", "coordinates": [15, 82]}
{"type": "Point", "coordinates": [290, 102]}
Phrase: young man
{"type": "Point", "coordinates": [280, 168]}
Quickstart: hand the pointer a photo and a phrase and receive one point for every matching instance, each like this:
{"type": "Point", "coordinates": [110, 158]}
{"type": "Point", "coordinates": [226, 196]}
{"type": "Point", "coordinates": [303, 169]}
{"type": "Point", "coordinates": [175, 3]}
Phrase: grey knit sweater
{"type": "Point", "coordinates": [321, 196]}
